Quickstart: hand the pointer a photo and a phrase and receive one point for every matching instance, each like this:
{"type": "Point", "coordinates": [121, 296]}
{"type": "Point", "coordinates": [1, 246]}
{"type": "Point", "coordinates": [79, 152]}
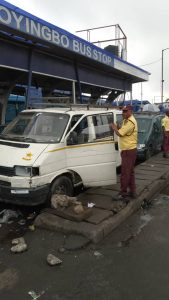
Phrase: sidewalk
{"type": "Point", "coordinates": [151, 177]}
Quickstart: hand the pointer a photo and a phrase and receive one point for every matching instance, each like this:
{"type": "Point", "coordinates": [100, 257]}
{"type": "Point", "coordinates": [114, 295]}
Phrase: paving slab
{"type": "Point", "coordinates": [100, 201]}
{"type": "Point", "coordinates": [151, 177]}
{"type": "Point", "coordinates": [146, 176]}
{"type": "Point", "coordinates": [99, 215]}
{"type": "Point", "coordinates": [143, 182]}
{"type": "Point", "coordinates": [99, 191]}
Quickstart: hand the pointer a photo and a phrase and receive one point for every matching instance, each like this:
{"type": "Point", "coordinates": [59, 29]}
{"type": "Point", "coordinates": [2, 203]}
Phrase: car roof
{"type": "Point", "coordinates": [148, 115]}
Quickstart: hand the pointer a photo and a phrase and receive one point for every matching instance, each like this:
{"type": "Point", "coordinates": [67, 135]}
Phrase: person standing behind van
{"type": "Point", "coordinates": [165, 126]}
{"type": "Point", "coordinates": [128, 146]}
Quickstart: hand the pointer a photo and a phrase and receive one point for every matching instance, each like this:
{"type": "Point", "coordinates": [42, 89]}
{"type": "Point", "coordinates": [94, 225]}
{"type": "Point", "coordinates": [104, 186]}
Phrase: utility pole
{"type": "Point", "coordinates": [162, 74]}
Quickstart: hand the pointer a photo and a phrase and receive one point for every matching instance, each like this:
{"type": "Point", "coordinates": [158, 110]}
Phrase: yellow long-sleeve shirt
{"type": "Point", "coordinates": [128, 132]}
{"type": "Point", "coordinates": [165, 123]}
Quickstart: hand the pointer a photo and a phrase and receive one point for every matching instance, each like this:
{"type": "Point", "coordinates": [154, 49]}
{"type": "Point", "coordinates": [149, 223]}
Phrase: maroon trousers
{"type": "Point", "coordinates": [166, 142]}
{"type": "Point", "coordinates": [127, 171]}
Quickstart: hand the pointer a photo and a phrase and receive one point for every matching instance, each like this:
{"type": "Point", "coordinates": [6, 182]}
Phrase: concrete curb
{"type": "Point", "coordinates": [96, 233]}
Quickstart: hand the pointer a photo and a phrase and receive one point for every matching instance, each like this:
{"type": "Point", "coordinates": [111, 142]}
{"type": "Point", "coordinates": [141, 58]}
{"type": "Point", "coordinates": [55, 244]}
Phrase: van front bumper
{"type": "Point", "coordinates": [24, 196]}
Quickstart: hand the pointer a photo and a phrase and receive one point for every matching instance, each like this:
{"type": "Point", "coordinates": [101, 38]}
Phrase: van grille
{"type": "Point", "coordinates": [7, 171]}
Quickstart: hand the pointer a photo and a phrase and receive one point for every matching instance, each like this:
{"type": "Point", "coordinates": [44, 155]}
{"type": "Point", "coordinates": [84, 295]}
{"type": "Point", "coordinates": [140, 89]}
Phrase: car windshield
{"type": "Point", "coordinates": [36, 127]}
{"type": "Point", "coordinates": [143, 129]}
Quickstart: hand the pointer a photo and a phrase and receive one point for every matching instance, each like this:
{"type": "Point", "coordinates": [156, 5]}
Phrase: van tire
{"type": "Point", "coordinates": [62, 185]}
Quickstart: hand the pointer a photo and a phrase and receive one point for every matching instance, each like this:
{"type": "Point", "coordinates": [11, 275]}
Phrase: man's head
{"type": "Point", "coordinates": [127, 111]}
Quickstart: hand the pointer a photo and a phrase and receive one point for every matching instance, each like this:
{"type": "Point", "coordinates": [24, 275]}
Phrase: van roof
{"type": "Point", "coordinates": [76, 110]}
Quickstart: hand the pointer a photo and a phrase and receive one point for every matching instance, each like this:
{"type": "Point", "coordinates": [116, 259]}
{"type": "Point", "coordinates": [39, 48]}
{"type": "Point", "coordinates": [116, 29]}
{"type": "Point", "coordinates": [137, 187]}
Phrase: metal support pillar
{"type": "Point", "coordinates": [29, 79]}
{"type": "Point", "coordinates": [74, 92]}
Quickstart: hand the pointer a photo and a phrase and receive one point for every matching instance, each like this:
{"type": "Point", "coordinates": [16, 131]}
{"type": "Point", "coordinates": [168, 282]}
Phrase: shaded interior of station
{"type": "Point", "coordinates": [29, 61]}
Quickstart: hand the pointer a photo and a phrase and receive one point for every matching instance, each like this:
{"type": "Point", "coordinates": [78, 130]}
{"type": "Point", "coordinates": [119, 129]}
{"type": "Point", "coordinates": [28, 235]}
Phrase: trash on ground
{"type": "Point", "coordinates": [17, 241]}
{"type": "Point", "coordinates": [90, 204]}
{"type": "Point", "coordinates": [19, 248]}
{"type": "Point", "coordinates": [31, 216]}
{"type": "Point", "coordinates": [78, 209]}
{"type": "Point", "coordinates": [61, 249]}
{"type": "Point", "coordinates": [63, 201]}
{"type": "Point", "coordinates": [32, 227]}
{"type": "Point", "coordinates": [53, 260]}
{"type": "Point", "coordinates": [34, 295]}
{"type": "Point", "coordinates": [97, 254]}
{"type": "Point", "coordinates": [19, 245]}
{"type": "Point", "coordinates": [8, 214]}
{"type": "Point", "coordinates": [22, 222]}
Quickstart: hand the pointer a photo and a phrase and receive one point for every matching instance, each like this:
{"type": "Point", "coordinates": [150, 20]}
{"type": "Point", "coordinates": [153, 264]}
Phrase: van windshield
{"type": "Point", "coordinates": [143, 129]}
{"type": "Point", "coordinates": [36, 127]}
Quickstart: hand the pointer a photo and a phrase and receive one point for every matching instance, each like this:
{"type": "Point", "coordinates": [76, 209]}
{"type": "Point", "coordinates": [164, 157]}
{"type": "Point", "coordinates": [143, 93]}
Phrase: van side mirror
{"type": "Point", "coordinates": [72, 138]}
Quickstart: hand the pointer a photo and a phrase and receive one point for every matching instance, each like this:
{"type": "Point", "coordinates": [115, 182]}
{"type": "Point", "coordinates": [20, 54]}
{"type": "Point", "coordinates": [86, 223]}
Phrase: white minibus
{"type": "Point", "coordinates": [52, 150]}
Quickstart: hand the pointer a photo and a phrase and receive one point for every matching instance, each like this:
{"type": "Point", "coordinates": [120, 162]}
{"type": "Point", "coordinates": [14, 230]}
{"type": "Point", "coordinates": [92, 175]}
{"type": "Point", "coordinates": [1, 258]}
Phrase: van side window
{"type": "Point", "coordinates": [73, 121]}
{"type": "Point", "coordinates": [102, 126]}
{"type": "Point", "coordinates": [80, 134]}
{"type": "Point", "coordinates": [119, 120]}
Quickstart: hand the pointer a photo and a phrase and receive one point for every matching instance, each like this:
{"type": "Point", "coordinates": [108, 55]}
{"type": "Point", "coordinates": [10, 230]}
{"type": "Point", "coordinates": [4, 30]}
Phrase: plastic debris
{"type": "Point", "coordinates": [19, 248]}
{"type": "Point", "coordinates": [32, 227]}
{"type": "Point", "coordinates": [61, 249]}
{"type": "Point", "coordinates": [34, 295]}
{"type": "Point", "coordinates": [90, 204]}
{"type": "Point", "coordinates": [19, 245]}
{"type": "Point", "coordinates": [97, 254]}
{"type": "Point", "coordinates": [53, 260]}
{"type": "Point", "coordinates": [8, 214]}
{"type": "Point", "coordinates": [17, 241]}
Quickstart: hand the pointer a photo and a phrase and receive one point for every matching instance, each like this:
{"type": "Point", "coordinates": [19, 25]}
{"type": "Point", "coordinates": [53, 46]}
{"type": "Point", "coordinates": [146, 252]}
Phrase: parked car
{"type": "Point", "coordinates": [150, 135]}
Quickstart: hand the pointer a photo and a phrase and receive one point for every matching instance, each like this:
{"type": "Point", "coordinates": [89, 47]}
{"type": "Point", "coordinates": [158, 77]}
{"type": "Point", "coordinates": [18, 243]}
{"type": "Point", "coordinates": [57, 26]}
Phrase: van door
{"type": "Point", "coordinates": [91, 150]}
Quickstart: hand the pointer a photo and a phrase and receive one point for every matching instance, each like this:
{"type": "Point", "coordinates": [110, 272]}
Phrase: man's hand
{"type": "Point", "coordinates": [114, 127]}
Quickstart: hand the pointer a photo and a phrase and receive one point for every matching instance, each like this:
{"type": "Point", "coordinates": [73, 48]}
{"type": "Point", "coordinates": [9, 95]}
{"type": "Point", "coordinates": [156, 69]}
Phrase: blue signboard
{"type": "Point", "coordinates": [22, 21]}
{"type": "Point", "coordinates": [25, 24]}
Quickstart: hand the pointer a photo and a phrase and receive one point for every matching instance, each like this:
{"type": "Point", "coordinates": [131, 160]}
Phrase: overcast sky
{"type": "Point", "coordinates": [145, 23]}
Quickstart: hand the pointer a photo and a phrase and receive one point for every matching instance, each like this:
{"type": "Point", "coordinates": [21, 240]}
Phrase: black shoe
{"type": "Point", "coordinates": [132, 195]}
{"type": "Point", "coordinates": [164, 155]}
{"type": "Point", "coordinates": [122, 198]}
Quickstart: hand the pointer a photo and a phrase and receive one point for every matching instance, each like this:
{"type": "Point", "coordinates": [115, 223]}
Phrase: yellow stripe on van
{"type": "Point", "coordinates": [83, 145]}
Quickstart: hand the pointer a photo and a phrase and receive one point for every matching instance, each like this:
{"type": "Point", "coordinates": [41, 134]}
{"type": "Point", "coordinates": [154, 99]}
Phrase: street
{"type": "Point", "coordinates": [131, 263]}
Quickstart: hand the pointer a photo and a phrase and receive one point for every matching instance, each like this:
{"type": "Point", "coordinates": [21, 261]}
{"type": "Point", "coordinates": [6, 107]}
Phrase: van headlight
{"type": "Point", "coordinates": [140, 146]}
{"type": "Point", "coordinates": [26, 171]}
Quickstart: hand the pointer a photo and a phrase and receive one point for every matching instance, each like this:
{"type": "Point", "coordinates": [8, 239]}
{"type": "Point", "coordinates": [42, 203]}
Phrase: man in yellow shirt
{"type": "Point", "coordinates": [165, 126]}
{"type": "Point", "coordinates": [128, 146]}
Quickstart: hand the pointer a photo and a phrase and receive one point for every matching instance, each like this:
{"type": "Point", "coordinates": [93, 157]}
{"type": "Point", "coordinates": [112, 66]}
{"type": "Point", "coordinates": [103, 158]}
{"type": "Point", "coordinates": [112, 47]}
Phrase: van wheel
{"type": "Point", "coordinates": [62, 185]}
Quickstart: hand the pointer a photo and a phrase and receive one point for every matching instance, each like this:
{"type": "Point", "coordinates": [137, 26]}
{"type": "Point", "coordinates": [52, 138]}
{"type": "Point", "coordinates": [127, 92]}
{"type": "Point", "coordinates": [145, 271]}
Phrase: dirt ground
{"type": "Point", "coordinates": [131, 263]}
